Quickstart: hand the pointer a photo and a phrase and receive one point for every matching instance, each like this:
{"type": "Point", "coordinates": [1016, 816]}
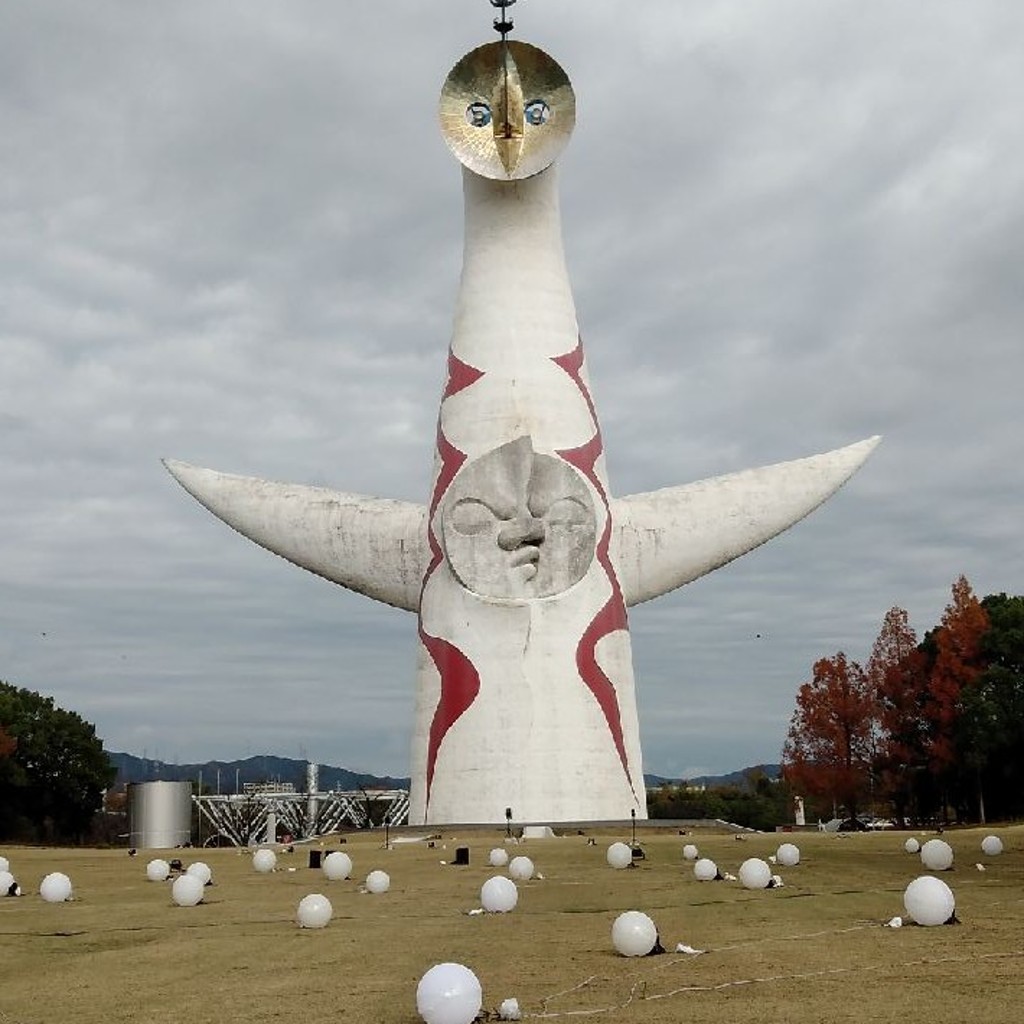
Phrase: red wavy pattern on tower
{"type": "Point", "coordinates": [460, 680]}
{"type": "Point", "coordinates": [612, 616]}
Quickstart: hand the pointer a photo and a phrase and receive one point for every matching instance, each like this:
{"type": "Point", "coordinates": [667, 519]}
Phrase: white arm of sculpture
{"type": "Point", "coordinates": [373, 546]}
{"type": "Point", "coordinates": [663, 539]}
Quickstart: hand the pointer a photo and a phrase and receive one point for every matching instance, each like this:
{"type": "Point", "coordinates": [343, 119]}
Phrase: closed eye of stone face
{"type": "Point", "coordinates": [472, 517]}
{"type": "Point", "coordinates": [567, 512]}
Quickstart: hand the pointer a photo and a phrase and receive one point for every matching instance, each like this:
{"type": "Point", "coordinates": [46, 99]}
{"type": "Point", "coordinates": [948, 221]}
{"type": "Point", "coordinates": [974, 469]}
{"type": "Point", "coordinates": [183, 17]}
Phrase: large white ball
{"type": "Point", "coordinates": [55, 887]}
{"type": "Point", "coordinates": [378, 882]}
{"type": "Point", "coordinates": [619, 856]}
{"type": "Point", "coordinates": [337, 865]}
{"type": "Point", "coordinates": [521, 869]}
{"type": "Point", "coordinates": [755, 873]}
{"type": "Point", "coordinates": [157, 870]}
{"type": "Point", "coordinates": [705, 870]}
{"type": "Point", "coordinates": [498, 857]}
{"type": "Point", "coordinates": [201, 871]}
{"type": "Point", "coordinates": [929, 901]}
{"type": "Point", "coordinates": [634, 933]}
{"type": "Point", "coordinates": [449, 994]}
{"type": "Point", "coordinates": [6, 881]}
{"type": "Point", "coordinates": [690, 852]}
{"type": "Point", "coordinates": [992, 845]}
{"type": "Point", "coordinates": [264, 861]}
{"type": "Point", "coordinates": [499, 895]}
{"type": "Point", "coordinates": [187, 890]}
{"type": "Point", "coordinates": [937, 855]}
{"type": "Point", "coordinates": [788, 855]}
{"type": "Point", "coordinates": [912, 845]}
{"type": "Point", "coordinates": [314, 911]}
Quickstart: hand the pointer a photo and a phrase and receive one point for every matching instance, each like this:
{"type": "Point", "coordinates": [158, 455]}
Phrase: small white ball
{"type": "Point", "coordinates": [788, 855]}
{"type": "Point", "coordinates": [314, 911]}
{"type": "Point", "coordinates": [449, 994]}
{"type": "Point", "coordinates": [498, 857]}
{"type": "Point", "coordinates": [158, 870]}
{"type": "Point", "coordinates": [755, 873]}
{"type": "Point", "coordinates": [912, 845]}
{"type": "Point", "coordinates": [690, 852]}
{"type": "Point", "coordinates": [264, 861]}
{"type": "Point", "coordinates": [6, 881]}
{"type": "Point", "coordinates": [201, 871]}
{"type": "Point", "coordinates": [55, 887]}
{"type": "Point", "coordinates": [929, 901]}
{"type": "Point", "coordinates": [634, 934]}
{"type": "Point", "coordinates": [937, 855]}
{"type": "Point", "coordinates": [521, 869]}
{"type": "Point", "coordinates": [499, 895]}
{"type": "Point", "coordinates": [187, 890]}
{"type": "Point", "coordinates": [992, 845]}
{"type": "Point", "coordinates": [619, 856]}
{"type": "Point", "coordinates": [337, 865]}
{"type": "Point", "coordinates": [378, 882]}
{"type": "Point", "coordinates": [705, 870]}
{"type": "Point", "coordinates": [509, 1010]}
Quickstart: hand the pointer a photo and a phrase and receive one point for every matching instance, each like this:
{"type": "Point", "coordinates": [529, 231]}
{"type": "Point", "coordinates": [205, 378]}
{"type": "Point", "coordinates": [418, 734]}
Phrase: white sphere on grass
{"type": "Point", "coordinates": [378, 882]}
{"type": "Point", "coordinates": [6, 881]}
{"type": "Point", "coordinates": [521, 869]}
{"type": "Point", "coordinates": [992, 845]}
{"type": "Point", "coordinates": [337, 865]}
{"type": "Point", "coordinates": [449, 994]}
{"type": "Point", "coordinates": [634, 933]}
{"type": "Point", "coordinates": [55, 887]}
{"type": "Point", "coordinates": [498, 857]}
{"type": "Point", "coordinates": [201, 871]}
{"type": "Point", "coordinates": [937, 855]}
{"type": "Point", "coordinates": [788, 855]}
{"type": "Point", "coordinates": [499, 895]}
{"type": "Point", "coordinates": [158, 870]}
{"type": "Point", "coordinates": [929, 901]}
{"type": "Point", "coordinates": [705, 870]}
{"type": "Point", "coordinates": [755, 873]}
{"type": "Point", "coordinates": [264, 861]}
{"type": "Point", "coordinates": [187, 890]}
{"type": "Point", "coordinates": [912, 845]}
{"type": "Point", "coordinates": [690, 852]}
{"type": "Point", "coordinates": [314, 911]}
{"type": "Point", "coordinates": [619, 856]}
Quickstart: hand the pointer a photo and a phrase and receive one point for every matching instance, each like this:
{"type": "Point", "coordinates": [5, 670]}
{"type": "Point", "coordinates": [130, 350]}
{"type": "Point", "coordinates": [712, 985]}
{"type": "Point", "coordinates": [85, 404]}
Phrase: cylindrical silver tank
{"type": "Point", "coordinates": [159, 815]}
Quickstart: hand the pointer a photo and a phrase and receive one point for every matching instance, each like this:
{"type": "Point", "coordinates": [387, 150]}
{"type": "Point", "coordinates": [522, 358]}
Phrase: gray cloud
{"type": "Point", "coordinates": [231, 234]}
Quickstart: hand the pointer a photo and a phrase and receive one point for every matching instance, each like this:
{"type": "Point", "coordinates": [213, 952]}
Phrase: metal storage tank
{"type": "Point", "coordinates": [159, 815]}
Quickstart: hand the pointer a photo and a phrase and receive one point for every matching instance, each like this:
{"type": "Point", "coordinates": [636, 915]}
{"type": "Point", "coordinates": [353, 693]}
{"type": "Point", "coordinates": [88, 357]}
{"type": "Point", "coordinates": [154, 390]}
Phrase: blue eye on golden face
{"type": "Point", "coordinates": [478, 115]}
{"type": "Point", "coordinates": [537, 112]}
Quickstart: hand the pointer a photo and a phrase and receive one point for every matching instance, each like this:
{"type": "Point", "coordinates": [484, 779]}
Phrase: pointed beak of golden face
{"type": "Point", "coordinates": [510, 121]}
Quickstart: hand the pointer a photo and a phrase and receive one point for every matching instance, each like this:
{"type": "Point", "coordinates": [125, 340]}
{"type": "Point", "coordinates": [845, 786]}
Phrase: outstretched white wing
{"type": "Point", "coordinates": [373, 546]}
{"type": "Point", "coordinates": [663, 539]}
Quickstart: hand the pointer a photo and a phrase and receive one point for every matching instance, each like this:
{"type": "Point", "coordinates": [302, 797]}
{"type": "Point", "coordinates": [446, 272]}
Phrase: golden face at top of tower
{"type": "Point", "coordinates": [507, 110]}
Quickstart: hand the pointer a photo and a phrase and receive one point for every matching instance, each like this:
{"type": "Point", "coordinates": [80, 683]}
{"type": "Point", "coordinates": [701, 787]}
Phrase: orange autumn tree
{"type": "Point", "coordinates": [830, 746]}
{"type": "Point", "coordinates": [897, 674]}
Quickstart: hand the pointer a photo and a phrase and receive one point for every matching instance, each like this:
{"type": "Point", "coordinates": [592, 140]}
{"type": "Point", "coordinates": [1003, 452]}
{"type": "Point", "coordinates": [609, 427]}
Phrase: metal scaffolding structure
{"type": "Point", "coordinates": [263, 811]}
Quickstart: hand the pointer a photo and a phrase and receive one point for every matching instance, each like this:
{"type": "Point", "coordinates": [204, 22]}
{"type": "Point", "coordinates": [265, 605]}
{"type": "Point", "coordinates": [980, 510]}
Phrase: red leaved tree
{"type": "Point", "coordinates": [831, 742]}
{"type": "Point", "coordinates": [897, 673]}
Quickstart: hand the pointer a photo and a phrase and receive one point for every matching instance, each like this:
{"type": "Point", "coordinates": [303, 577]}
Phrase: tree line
{"type": "Point", "coordinates": [928, 730]}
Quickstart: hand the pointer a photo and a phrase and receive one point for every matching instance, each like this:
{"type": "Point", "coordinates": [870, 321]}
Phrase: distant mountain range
{"type": "Point", "coordinates": [230, 776]}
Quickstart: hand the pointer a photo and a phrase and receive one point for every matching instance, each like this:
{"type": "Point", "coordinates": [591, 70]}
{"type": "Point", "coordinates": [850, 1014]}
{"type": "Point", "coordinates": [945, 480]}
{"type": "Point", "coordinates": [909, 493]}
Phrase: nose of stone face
{"type": "Point", "coordinates": [520, 531]}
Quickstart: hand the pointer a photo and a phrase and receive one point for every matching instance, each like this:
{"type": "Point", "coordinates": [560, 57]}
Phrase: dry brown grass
{"type": "Point", "coordinates": [811, 951]}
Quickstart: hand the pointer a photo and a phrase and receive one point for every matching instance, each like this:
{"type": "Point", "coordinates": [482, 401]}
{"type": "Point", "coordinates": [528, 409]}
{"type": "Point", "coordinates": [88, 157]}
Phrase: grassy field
{"type": "Point", "coordinates": [813, 950]}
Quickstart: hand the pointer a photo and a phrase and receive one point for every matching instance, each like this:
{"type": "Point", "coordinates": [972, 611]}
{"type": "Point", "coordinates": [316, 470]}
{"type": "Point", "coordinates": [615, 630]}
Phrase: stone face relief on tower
{"type": "Point", "coordinates": [522, 564]}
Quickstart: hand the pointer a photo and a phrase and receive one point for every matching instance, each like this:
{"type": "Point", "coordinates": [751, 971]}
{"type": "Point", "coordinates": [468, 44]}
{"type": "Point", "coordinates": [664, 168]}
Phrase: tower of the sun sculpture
{"type": "Point", "coordinates": [522, 565]}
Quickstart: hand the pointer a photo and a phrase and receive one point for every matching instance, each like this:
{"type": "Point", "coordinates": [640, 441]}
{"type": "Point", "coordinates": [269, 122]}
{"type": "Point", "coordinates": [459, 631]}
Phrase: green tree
{"type": "Point", "coordinates": [53, 780]}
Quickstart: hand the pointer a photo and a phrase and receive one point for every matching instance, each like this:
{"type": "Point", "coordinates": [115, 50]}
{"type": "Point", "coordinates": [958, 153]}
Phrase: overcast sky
{"type": "Point", "coordinates": [230, 233]}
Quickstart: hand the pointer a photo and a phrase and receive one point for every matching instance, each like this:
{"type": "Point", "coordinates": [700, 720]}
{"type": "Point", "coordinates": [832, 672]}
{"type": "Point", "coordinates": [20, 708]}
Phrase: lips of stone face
{"type": "Point", "coordinates": [518, 524]}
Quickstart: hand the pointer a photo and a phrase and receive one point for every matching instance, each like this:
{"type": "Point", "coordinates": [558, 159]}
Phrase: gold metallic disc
{"type": "Point", "coordinates": [507, 110]}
